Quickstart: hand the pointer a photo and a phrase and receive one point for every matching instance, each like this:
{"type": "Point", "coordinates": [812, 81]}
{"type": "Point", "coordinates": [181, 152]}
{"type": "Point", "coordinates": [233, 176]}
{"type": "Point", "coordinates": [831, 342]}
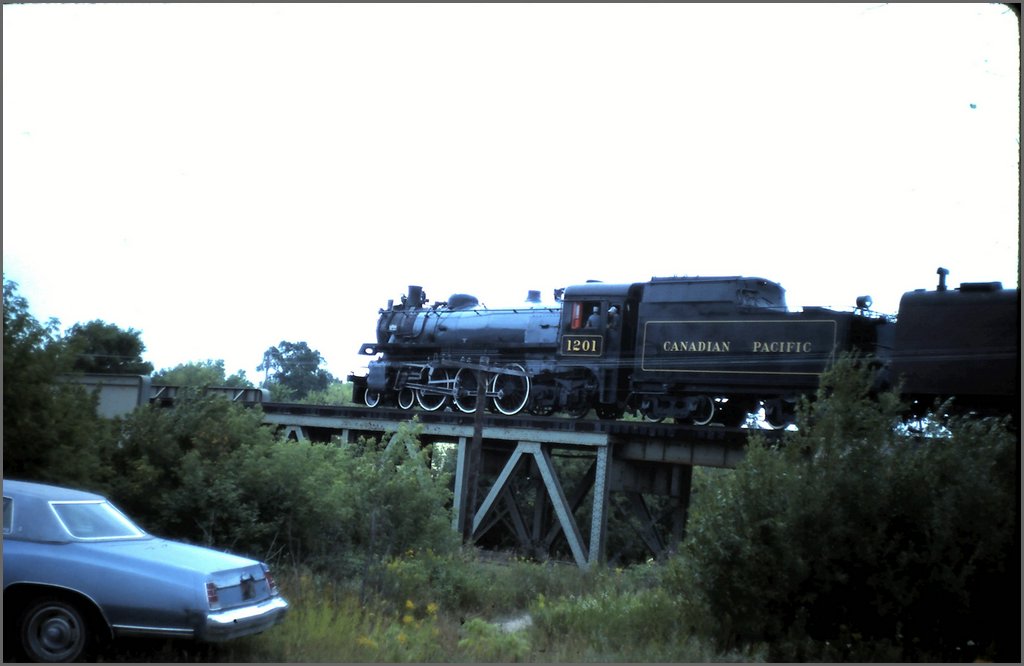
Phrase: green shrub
{"type": "Point", "coordinates": [208, 471]}
{"type": "Point", "coordinates": [853, 540]}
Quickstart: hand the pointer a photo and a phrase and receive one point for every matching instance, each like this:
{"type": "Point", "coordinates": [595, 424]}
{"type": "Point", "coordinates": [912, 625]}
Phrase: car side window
{"type": "Point", "coordinates": [8, 514]}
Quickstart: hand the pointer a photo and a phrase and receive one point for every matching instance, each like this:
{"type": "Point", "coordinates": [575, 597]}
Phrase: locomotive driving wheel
{"type": "Point", "coordinates": [466, 390]}
{"type": "Point", "coordinates": [371, 398]}
{"type": "Point", "coordinates": [512, 392]}
{"type": "Point", "coordinates": [429, 400]}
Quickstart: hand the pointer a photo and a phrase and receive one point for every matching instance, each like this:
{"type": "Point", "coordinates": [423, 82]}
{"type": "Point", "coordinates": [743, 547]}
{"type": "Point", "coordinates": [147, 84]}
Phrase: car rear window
{"type": "Point", "coordinates": [95, 520]}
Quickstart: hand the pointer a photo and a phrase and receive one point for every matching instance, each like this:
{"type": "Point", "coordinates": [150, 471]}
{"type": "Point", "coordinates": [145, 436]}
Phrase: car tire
{"type": "Point", "coordinates": [53, 629]}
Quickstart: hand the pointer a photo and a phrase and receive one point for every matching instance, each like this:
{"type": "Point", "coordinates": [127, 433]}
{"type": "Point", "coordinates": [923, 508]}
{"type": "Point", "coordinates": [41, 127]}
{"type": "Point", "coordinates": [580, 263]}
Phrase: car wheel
{"type": "Point", "coordinates": [54, 630]}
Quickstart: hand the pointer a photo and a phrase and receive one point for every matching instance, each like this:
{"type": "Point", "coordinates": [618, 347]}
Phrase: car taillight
{"type": "Point", "coordinates": [211, 595]}
{"type": "Point", "coordinates": [271, 584]}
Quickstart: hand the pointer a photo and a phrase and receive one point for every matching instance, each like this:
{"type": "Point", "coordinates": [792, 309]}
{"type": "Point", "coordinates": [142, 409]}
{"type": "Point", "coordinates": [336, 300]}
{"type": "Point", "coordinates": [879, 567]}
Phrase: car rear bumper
{"type": "Point", "coordinates": [235, 622]}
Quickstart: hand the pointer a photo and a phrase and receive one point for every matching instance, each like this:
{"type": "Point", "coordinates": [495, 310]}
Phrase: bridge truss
{"type": "Point", "coordinates": [545, 487]}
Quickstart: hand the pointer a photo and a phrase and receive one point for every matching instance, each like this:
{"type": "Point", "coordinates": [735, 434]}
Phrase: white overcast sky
{"type": "Point", "coordinates": [225, 177]}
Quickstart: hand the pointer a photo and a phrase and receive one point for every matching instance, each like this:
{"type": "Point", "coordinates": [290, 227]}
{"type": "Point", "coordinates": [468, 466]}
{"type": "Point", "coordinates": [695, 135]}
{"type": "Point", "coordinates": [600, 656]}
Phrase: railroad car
{"type": "Point", "coordinates": [962, 344]}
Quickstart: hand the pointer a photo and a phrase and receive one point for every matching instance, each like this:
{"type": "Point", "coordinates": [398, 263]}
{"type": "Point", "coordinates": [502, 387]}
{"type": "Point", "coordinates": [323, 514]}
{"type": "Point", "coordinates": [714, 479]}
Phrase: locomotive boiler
{"type": "Point", "coordinates": [695, 349]}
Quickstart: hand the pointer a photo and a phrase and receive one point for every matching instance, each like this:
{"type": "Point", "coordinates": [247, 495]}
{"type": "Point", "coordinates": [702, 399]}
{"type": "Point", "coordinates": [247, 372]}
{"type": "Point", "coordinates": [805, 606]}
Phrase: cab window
{"type": "Point", "coordinates": [585, 315]}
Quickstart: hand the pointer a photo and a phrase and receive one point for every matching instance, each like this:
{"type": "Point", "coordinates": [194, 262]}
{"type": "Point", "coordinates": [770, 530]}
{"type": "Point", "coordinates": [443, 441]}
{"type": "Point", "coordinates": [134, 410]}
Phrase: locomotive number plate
{"type": "Point", "coordinates": [582, 345]}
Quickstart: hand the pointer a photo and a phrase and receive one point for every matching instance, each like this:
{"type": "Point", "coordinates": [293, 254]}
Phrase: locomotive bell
{"type": "Point", "coordinates": [533, 296]}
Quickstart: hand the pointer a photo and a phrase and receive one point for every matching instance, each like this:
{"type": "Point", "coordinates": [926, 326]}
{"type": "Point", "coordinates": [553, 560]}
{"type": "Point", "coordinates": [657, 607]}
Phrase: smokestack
{"type": "Point", "coordinates": [942, 273]}
{"type": "Point", "coordinates": [415, 297]}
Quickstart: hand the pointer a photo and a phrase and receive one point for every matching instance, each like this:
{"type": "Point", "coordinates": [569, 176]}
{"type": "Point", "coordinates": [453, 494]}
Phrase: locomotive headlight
{"type": "Point", "coordinates": [864, 302]}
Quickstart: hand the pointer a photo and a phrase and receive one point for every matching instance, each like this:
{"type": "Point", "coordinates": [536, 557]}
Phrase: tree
{"type": "Point", "coordinates": [51, 430]}
{"type": "Point", "coordinates": [200, 374]}
{"type": "Point", "coordinates": [104, 348]}
{"type": "Point", "coordinates": [179, 470]}
{"type": "Point", "coordinates": [294, 367]}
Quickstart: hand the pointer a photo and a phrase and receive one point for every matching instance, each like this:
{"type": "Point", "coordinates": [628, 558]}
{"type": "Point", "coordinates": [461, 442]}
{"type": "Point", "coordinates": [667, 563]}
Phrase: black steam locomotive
{"type": "Point", "coordinates": [696, 349]}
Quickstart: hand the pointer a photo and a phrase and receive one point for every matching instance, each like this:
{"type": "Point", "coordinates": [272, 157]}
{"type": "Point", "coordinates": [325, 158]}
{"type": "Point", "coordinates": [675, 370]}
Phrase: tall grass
{"type": "Point", "coordinates": [434, 608]}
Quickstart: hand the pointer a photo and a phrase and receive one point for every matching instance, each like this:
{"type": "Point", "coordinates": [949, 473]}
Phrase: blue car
{"type": "Point", "coordinates": [78, 573]}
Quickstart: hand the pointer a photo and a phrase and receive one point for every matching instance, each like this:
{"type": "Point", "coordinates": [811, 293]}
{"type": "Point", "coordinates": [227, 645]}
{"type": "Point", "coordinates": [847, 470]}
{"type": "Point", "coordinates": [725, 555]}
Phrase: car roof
{"type": "Point", "coordinates": [32, 517]}
{"type": "Point", "coordinates": [46, 491]}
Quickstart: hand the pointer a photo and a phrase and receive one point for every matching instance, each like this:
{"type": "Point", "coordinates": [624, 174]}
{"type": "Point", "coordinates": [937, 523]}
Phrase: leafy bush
{"type": "Point", "coordinates": [853, 540]}
{"type": "Point", "coordinates": [209, 471]}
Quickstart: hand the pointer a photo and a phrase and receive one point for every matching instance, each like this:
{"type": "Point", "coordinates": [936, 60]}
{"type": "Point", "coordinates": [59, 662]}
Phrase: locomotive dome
{"type": "Point", "coordinates": [462, 301]}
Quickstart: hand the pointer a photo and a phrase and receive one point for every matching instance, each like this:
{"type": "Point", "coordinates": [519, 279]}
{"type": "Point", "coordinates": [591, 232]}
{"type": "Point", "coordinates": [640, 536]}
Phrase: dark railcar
{"type": "Point", "coordinates": [725, 345]}
{"type": "Point", "coordinates": [959, 343]}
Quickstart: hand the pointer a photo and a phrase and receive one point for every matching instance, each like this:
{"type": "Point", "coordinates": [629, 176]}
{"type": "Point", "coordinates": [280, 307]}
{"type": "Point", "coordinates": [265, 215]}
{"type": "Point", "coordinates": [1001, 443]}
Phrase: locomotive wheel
{"type": "Point", "coordinates": [779, 413]}
{"type": "Point", "coordinates": [542, 410]}
{"type": "Point", "coordinates": [406, 398]}
{"type": "Point", "coordinates": [705, 411]}
{"type": "Point", "coordinates": [513, 391]}
{"type": "Point", "coordinates": [434, 401]}
{"type": "Point", "coordinates": [578, 411]}
{"type": "Point", "coordinates": [647, 411]}
{"type": "Point", "coordinates": [466, 390]}
{"type": "Point", "coordinates": [371, 398]}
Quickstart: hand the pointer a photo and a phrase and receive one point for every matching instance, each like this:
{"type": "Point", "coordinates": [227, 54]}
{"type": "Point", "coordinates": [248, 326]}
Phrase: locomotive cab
{"type": "Point", "coordinates": [596, 334]}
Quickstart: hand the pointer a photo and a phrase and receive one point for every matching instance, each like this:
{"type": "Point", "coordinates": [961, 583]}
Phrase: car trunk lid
{"type": "Point", "coordinates": [239, 586]}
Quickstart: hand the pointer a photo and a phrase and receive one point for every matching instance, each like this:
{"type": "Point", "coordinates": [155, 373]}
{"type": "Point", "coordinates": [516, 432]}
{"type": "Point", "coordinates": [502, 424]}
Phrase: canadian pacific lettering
{"type": "Point", "coordinates": [782, 347]}
{"type": "Point", "coordinates": [723, 346]}
{"type": "Point", "coordinates": [696, 346]}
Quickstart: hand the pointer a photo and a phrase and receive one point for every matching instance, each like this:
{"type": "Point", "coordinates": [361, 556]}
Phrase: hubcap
{"type": "Point", "coordinates": [54, 634]}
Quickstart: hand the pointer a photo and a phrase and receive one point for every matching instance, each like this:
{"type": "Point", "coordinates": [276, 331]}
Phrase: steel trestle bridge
{"type": "Point", "coordinates": [539, 486]}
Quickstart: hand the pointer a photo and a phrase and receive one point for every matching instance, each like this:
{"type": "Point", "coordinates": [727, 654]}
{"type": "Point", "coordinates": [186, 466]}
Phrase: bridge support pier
{"type": "Point", "coordinates": [500, 502]}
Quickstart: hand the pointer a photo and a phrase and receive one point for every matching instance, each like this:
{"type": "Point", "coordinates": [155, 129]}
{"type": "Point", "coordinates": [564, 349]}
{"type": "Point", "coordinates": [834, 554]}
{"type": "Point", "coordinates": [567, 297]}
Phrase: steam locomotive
{"type": "Point", "coordinates": [695, 349]}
